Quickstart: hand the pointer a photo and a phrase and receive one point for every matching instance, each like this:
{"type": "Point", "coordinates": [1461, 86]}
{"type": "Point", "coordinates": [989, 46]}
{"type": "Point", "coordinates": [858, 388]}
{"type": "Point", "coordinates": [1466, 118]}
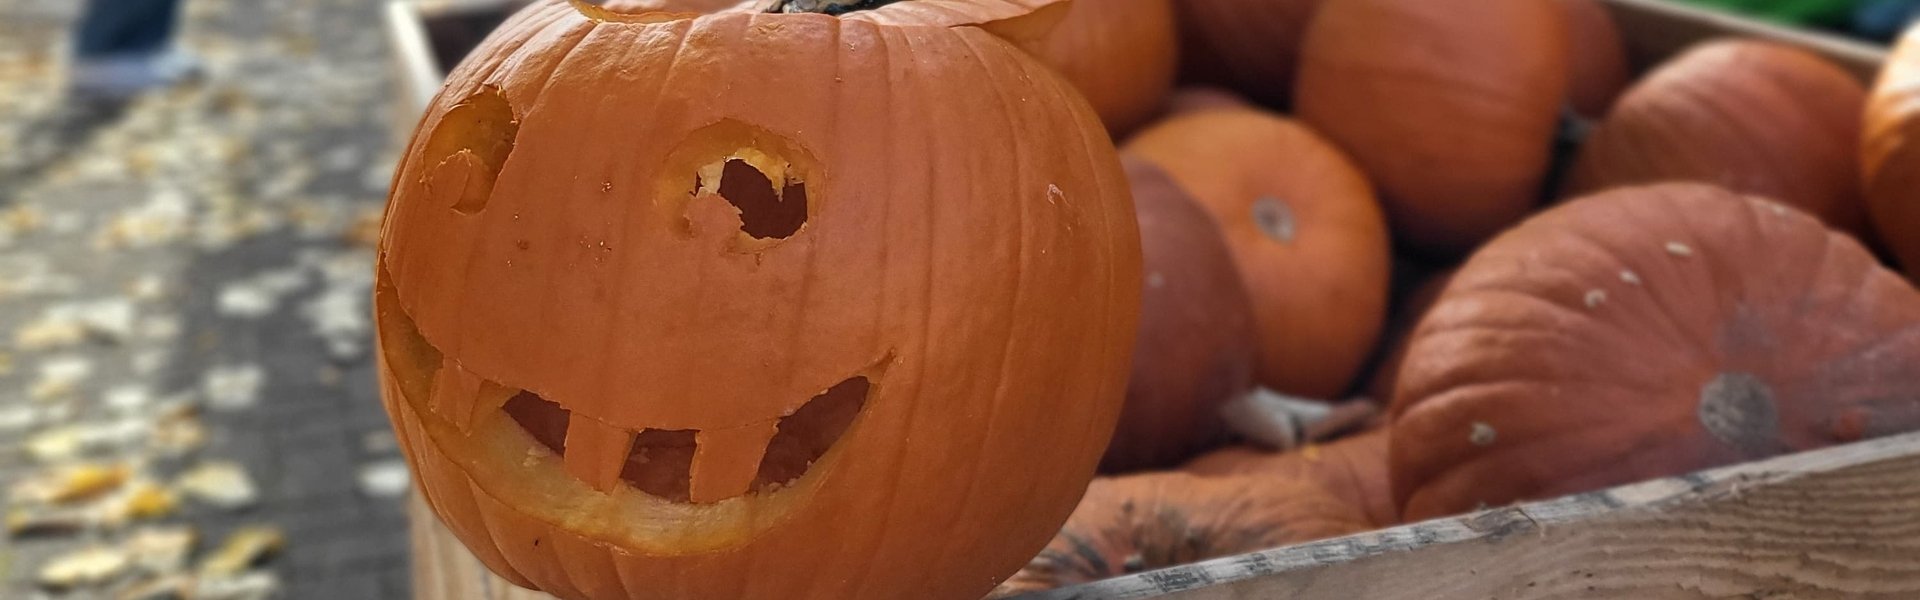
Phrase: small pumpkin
{"type": "Point", "coordinates": [1647, 332]}
{"type": "Point", "coordinates": [1890, 152]}
{"type": "Point", "coordinates": [1599, 58]}
{"type": "Point", "coordinates": [1452, 107]}
{"type": "Point", "coordinates": [1353, 469]}
{"type": "Point", "coordinates": [1195, 349]}
{"type": "Point", "coordinates": [669, 306]}
{"type": "Point", "coordinates": [1151, 521]}
{"type": "Point", "coordinates": [1755, 117]}
{"type": "Point", "coordinates": [1250, 45]}
{"type": "Point", "coordinates": [1305, 230]}
{"type": "Point", "coordinates": [1120, 53]}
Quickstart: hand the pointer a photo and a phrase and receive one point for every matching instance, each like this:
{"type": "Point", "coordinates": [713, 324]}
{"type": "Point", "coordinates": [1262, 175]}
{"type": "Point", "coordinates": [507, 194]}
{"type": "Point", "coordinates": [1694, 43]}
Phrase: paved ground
{"type": "Point", "coordinates": [193, 252]}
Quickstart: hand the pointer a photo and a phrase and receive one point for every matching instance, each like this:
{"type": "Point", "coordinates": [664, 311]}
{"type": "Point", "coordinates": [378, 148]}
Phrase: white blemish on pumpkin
{"type": "Point", "coordinates": [1156, 281]}
{"type": "Point", "coordinates": [1630, 277]}
{"type": "Point", "coordinates": [1596, 297]}
{"type": "Point", "coordinates": [1054, 195]}
{"type": "Point", "coordinates": [1482, 434]}
{"type": "Point", "coordinates": [1679, 249]}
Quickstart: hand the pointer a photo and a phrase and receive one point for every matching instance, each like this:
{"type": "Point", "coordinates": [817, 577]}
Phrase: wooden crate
{"type": "Point", "coordinates": [1842, 522]}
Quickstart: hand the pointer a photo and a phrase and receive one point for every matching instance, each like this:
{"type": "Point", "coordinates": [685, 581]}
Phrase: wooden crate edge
{"type": "Point", "coordinates": [1542, 532]}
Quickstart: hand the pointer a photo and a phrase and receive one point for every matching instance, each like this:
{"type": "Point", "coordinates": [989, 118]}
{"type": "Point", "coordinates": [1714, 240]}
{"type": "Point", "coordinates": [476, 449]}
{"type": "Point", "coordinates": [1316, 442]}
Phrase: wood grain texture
{"type": "Point", "coordinates": [1837, 523]}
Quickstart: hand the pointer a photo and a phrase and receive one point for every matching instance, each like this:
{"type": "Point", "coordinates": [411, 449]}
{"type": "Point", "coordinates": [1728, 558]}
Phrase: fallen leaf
{"type": "Point", "coordinates": [85, 567]}
{"type": "Point", "coordinates": [223, 484]}
{"type": "Point", "coordinates": [242, 549]}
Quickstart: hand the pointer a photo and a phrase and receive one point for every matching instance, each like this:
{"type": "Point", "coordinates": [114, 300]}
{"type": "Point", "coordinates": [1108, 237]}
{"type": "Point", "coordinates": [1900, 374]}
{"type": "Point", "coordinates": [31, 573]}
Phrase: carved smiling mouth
{"type": "Point", "coordinates": [662, 463]}
{"type": "Point", "coordinates": [670, 492]}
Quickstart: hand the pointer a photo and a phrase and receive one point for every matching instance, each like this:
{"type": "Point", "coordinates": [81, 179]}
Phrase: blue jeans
{"type": "Point", "coordinates": [123, 27]}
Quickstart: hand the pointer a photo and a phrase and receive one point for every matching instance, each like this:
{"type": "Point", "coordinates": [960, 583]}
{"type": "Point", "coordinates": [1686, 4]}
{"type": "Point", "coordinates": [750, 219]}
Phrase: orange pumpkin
{"type": "Point", "coordinates": [1352, 469]}
{"type": "Point", "coordinates": [1305, 230]}
{"type": "Point", "coordinates": [1648, 332]}
{"type": "Point", "coordinates": [1120, 53]}
{"type": "Point", "coordinates": [673, 307]}
{"type": "Point", "coordinates": [1195, 349]}
{"type": "Point", "coordinates": [1891, 164]}
{"type": "Point", "coordinates": [1755, 117]}
{"type": "Point", "coordinates": [1157, 520]}
{"type": "Point", "coordinates": [1599, 58]}
{"type": "Point", "coordinates": [1250, 45]}
{"type": "Point", "coordinates": [1452, 107]}
{"type": "Point", "coordinates": [1399, 332]}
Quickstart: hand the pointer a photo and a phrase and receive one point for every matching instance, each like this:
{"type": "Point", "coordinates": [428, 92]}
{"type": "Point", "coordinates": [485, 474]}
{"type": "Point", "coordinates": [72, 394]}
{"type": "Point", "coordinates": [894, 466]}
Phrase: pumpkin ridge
{"type": "Point", "coordinates": [1018, 284]}
{"type": "Point", "coordinates": [1699, 343]}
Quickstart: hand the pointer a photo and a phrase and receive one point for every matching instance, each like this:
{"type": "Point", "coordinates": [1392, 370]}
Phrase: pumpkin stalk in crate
{"type": "Point", "coordinates": [1451, 107]}
{"type": "Point", "coordinates": [1153, 521]}
{"type": "Point", "coordinates": [1648, 332]}
{"type": "Point", "coordinates": [1304, 228]}
{"type": "Point", "coordinates": [1754, 117]}
{"type": "Point", "coordinates": [737, 305]}
{"type": "Point", "coordinates": [1890, 153]}
{"type": "Point", "coordinates": [1195, 350]}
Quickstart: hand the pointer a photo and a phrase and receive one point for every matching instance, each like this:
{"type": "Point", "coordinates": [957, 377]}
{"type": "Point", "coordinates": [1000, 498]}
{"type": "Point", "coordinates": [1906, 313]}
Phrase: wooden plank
{"type": "Point", "coordinates": [1657, 29]}
{"type": "Point", "coordinates": [443, 569]}
{"type": "Point", "coordinates": [1837, 523]}
{"type": "Point", "coordinates": [417, 74]}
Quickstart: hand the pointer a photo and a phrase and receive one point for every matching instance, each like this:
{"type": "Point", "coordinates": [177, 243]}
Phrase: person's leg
{"type": "Point", "coordinates": [121, 48]}
{"type": "Point", "coordinates": [121, 27]}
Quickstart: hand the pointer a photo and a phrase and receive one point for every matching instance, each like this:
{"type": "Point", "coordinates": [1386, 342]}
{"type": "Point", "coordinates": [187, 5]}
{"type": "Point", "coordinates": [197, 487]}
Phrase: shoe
{"type": "Point", "coordinates": [122, 76]}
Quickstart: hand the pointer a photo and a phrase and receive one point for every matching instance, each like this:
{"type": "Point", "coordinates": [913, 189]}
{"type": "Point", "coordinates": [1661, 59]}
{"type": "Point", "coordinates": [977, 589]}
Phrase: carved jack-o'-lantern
{"type": "Point", "coordinates": [756, 305]}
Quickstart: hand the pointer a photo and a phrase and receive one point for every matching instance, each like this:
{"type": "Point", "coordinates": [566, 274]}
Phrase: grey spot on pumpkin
{"type": "Point", "coordinates": [1275, 219]}
{"type": "Point", "coordinates": [1482, 434]}
{"type": "Point", "coordinates": [1739, 410]}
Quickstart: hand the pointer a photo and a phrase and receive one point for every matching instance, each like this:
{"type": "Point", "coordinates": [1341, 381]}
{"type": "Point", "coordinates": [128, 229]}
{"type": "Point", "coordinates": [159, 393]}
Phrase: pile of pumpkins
{"type": "Point", "coordinates": [844, 298]}
{"type": "Point", "coordinates": [1593, 279]}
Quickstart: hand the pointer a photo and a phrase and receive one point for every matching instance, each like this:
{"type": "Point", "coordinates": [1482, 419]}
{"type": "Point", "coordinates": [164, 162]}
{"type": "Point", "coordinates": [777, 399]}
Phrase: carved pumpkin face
{"type": "Point", "coordinates": [665, 299]}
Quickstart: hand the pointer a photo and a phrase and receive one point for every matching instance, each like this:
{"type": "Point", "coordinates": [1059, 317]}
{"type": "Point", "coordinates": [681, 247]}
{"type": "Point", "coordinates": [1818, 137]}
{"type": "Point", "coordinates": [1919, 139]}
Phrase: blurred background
{"type": "Point", "coordinates": [189, 199]}
{"type": "Point", "coordinates": [186, 237]}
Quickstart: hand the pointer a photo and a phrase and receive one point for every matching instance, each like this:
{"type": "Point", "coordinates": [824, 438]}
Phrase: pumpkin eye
{"type": "Point", "coordinates": [468, 148]}
{"type": "Point", "coordinates": [766, 211]}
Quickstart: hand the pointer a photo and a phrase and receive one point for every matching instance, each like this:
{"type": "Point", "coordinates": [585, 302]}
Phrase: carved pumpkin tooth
{"type": "Point", "coordinates": [727, 460]}
{"type": "Point", "coordinates": [596, 451]}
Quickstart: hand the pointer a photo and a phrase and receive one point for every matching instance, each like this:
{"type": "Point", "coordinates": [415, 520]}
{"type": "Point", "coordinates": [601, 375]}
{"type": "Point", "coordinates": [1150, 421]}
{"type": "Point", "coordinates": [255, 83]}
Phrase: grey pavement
{"type": "Point", "coordinates": [201, 250]}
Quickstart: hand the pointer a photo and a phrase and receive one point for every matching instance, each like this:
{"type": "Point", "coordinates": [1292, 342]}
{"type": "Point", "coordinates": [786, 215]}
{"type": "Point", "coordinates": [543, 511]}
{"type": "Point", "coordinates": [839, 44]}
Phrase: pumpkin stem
{"type": "Point", "coordinates": [826, 7]}
{"type": "Point", "coordinates": [1285, 422]}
